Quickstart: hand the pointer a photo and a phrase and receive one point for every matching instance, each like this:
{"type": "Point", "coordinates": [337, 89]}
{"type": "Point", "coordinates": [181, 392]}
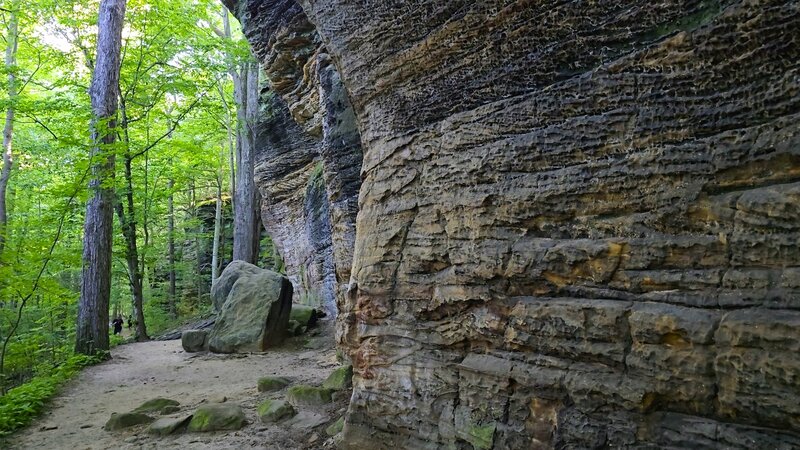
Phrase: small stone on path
{"type": "Point", "coordinates": [309, 395]}
{"type": "Point", "coordinates": [341, 378]}
{"type": "Point", "coordinates": [167, 425]}
{"type": "Point", "coordinates": [275, 410]}
{"type": "Point", "coordinates": [214, 417]}
{"type": "Point", "coordinates": [125, 420]}
{"type": "Point", "coordinates": [269, 384]}
{"type": "Point", "coordinates": [158, 404]}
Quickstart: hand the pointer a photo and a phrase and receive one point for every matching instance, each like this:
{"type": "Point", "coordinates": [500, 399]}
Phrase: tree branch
{"type": "Point", "coordinates": [170, 130]}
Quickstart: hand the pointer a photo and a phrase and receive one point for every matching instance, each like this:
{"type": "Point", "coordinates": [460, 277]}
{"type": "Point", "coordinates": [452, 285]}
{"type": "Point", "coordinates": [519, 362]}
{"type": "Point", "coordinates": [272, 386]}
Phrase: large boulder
{"type": "Point", "coordinates": [222, 286]}
{"type": "Point", "coordinates": [255, 312]}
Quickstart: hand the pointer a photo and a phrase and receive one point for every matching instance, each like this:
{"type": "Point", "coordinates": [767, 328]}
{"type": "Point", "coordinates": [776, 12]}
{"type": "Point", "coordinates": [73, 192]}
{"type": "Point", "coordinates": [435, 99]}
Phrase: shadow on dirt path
{"type": "Point", "coordinates": [142, 371]}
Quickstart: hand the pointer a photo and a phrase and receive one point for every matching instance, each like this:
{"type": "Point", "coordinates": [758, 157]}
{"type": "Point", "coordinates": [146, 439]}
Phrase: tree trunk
{"type": "Point", "coordinates": [8, 130]}
{"type": "Point", "coordinates": [173, 311]}
{"type": "Point", "coordinates": [92, 327]}
{"type": "Point", "coordinates": [246, 227]}
{"type": "Point", "coordinates": [193, 213]}
{"type": "Point", "coordinates": [237, 86]}
{"type": "Point", "coordinates": [127, 218]}
{"type": "Point", "coordinates": [217, 230]}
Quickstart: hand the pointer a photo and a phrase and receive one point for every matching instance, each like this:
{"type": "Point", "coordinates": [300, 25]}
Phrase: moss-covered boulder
{"type": "Point", "coordinates": [341, 378]}
{"type": "Point", "coordinates": [309, 395]}
{"type": "Point", "coordinates": [220, 416]}
{"type": "Point", "coordinates": [255, 314]}
{"type": "Point", "coordinates": [119, 421]}
{"type": "Point", "coordinates": [270, 384]}
{"type": "Point", "coordinates": [304, 315]}
{"type": "Point", "coordinates": [275, 410]}
{"type": "Point", "coordinates": [335, 428]}
{"type": "Point", "coordinates": [158, 405]}
{"type": "Point", "coordinates": [168, 425]}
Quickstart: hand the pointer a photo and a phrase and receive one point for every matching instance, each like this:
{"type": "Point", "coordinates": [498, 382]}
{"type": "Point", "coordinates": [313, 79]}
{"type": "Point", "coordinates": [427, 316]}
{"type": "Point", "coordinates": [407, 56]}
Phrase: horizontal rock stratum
{"type": "Point", "coordinates": [577, 225]}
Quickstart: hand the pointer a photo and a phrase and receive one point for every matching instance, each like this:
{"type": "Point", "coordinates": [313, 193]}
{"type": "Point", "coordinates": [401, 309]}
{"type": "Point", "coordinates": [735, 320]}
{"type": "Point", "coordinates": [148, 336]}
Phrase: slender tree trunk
{"type": "Point", "coordinates": [8, 131]}
{"type": "Point", "coordinates": [245, 223]}
{"type": "Point", "coordinates": [193, 212]}
{"type": "Point", "coordinates": [237, 86]}
{"type": "Point", "coordinates": [92, 327]}
{"type": "Point", "coordinates": [127, 218]}
{"type": "Point", "coordinates": [171, 247]}
{"type": "Point", "coordinates": [217, 231]}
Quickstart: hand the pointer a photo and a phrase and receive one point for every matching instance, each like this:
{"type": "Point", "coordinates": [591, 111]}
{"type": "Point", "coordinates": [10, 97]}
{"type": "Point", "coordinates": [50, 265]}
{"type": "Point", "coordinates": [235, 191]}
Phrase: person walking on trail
{"type": "Point", "coordinates": [117, 325]}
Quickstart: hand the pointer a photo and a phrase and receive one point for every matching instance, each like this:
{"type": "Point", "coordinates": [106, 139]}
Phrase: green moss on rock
{"type": "Point", "coordinates": [309, 395]}
{"type": "Point", "coordinates": [275, 410]}
{"type": "Point", "coordinates": [224, 416]}
{"type": "Point", "coordinates": [341, 378]}
{"type": "Point", "coordinates": [335, 428]}
{"type": "Point", "coordinates": [126, 420]}
{"type": "Point", "coordinates": [158, 405]}
{"type": "Point", "coordinates": [482, 436]}
{"type": "Point", "coordinates": [306, 316]}
{"type": "Point", "coordinates": [270, 384]}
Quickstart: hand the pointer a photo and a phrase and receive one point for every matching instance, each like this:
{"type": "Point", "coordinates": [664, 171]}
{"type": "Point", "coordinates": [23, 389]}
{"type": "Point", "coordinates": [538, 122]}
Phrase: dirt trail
{"type": "Point", "coordinates": [139, 372]}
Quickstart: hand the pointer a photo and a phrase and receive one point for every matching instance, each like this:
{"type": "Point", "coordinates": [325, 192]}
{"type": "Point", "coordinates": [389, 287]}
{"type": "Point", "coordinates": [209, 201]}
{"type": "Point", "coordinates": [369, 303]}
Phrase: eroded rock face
{"type": "Point", "coordinates": [577, 225]}
{"type": "Point", "coordinates": [308, 151]}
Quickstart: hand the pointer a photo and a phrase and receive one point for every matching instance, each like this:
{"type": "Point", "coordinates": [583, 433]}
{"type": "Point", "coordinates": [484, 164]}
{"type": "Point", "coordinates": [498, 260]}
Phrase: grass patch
{"type": "Point", "coordinates": [24, 403]}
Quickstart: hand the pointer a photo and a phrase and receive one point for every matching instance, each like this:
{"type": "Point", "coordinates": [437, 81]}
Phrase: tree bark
{"type": "Point", "coordinates": [12, 33]}
{"type": "Point", "coordinates": [246, 226]}
{"type": "Point", "coordinates": [92, 327]}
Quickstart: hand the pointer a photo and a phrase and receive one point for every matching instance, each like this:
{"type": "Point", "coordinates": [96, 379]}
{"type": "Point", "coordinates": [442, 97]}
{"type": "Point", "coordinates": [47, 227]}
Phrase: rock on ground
{"type": "Point", "coordinates": [275, 410]}
{"type": "Point", "coordinates": [157, 405]}
{"type": "Point", "coordinates": [119, 421]}
{"type": "Point", "coordinates": [194, 340]}
{"type": "Point", "coordinates": [168, 425]}
{"type": "Point", "coordinates": [269, 384]}
{"type": "Point", "coordinates": [303, 395]}
{"type": "Point", "coordinates": [339, 379]}
{"type": "Point", "coordinates": [255, 312]}
{"type": "Point", "coordinates": [217, 417]}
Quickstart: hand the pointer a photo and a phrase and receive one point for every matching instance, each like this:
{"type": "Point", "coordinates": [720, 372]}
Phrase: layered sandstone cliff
{"type": "Point", "coordinates": [578, 223]}
{"type": "Point", "coordinates": [308, 151]}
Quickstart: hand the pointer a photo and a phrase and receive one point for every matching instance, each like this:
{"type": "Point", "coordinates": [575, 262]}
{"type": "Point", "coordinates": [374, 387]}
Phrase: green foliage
{"type": "Point", "coordinates": [23, 403]}
{"type": "Point", "coordinates": [178, 102]}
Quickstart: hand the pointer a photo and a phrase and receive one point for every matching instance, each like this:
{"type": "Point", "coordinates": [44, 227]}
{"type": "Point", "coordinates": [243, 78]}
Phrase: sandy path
{"type": "Point", "coordinates": [139, 372]}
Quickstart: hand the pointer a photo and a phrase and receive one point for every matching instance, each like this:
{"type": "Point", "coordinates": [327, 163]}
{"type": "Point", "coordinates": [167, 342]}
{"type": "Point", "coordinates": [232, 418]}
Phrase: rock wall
{"type": "Point", "coordinates": [578, 221]}
{"type": "Point", "coordinates": [308, 151]}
